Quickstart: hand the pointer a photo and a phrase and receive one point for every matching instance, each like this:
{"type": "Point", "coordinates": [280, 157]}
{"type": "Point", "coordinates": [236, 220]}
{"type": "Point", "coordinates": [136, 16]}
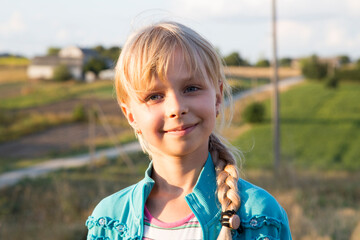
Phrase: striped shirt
{"type": "Point", "coordinates": [187, 228]}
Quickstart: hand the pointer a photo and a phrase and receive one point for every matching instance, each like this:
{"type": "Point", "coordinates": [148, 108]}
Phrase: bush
{"type": "Point", "coordinates": [348, 74]}
{"type": "Point", "coordinates": [312, 68]}
{"type": "Point", "coordinates": [62, 73]}
{"type": "Point", "coordinates": [234, 59]}
{"type": "Point", "coordinates": [332, 82]}
{"type": "Point", "coordinates": [79, 113]}
{"type": "Point", "coordinates": [95, 65]}
{"type": "Point", "coordinates": [285, 62]}
{"type": "Point", "coordinates": [262, 63]}
{"type": "Point", "coordinates": [254, 113]}
{"type": "Point", "coordinates": [344, 59]}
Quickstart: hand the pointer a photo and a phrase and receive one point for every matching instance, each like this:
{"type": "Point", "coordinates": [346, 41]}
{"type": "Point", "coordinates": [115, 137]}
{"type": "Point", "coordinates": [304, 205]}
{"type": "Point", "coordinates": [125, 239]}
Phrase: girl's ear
{"type": "Point", "coordinates": [128, 114]}
{"type": "Point", "coordinates": [219, 98]}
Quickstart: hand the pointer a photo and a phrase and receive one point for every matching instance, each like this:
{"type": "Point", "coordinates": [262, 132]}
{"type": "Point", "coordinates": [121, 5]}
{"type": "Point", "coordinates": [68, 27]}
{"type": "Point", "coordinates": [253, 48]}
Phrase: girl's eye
{"type": "Point", "coordinates": [191, 89]}
{"type": "Point", "coordinates": [154, 97]}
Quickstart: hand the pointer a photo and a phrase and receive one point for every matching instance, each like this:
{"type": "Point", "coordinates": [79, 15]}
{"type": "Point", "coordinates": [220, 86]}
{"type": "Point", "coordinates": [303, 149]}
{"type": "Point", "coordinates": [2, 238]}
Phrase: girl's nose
{"type": "Point", "coordinates": [175, 107]}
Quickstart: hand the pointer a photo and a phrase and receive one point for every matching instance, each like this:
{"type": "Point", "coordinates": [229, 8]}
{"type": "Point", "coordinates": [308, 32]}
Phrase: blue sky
{"type": "Point", "coordinates": [324, 27]}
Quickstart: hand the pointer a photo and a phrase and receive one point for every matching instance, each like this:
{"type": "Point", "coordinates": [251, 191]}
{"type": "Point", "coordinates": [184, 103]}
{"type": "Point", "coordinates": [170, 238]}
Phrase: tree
{"type": "Point", "coordinates": [95, 65]}
{"type": "Point", "coordinates": [111, 53]}
{"type": "Point", "coordinates": [344, 59]}
{"type": "Point", "coordinates": [62, 73]}
{"type": "Point", "coordinates": [234, 59]}
{"type": "Point", "coordinates": [285, 62]}
{"type": "Point", "coordinates": [312, 68]}
{"type": "Point", "coordinates": [99, 49]}
{"type": "Point", "coordinates": [262, 63]}
{"type": "Point", "coordinates": [53, 51]}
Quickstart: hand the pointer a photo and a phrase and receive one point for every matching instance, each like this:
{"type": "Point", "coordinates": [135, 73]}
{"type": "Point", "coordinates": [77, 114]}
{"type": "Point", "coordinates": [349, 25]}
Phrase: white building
{"type": "Point", "coordinates": [42, 67]}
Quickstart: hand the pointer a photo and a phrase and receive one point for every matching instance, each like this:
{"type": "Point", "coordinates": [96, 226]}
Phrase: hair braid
{"type": "Point", "coordinates": [227, 178]}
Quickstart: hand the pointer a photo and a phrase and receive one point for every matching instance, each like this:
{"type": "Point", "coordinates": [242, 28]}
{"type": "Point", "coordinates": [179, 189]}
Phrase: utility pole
{"type": "Point", "coordinates": [275, 105]}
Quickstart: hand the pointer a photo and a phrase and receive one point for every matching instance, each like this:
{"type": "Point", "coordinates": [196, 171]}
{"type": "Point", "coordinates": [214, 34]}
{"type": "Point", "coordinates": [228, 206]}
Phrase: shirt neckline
{"type": "Point", "coordinates": [162, 224]}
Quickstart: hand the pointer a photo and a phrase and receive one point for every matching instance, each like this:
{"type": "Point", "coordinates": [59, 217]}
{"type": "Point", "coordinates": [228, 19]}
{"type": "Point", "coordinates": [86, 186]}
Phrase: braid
{"type": "Point", "coordinates": [227, 178]}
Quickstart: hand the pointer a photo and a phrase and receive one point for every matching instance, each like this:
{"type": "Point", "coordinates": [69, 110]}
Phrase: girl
{"type": "Point", "coordinates": [170, 85]}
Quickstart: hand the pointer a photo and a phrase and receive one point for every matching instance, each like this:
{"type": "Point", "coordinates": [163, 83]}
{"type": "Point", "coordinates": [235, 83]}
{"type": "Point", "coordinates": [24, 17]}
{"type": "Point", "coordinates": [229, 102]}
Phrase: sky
{"type": "Point", "coordinates": [304, 27]}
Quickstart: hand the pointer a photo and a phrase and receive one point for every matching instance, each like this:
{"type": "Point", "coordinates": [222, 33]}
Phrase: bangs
{"type": "Point", "coordinates": [148, 54]}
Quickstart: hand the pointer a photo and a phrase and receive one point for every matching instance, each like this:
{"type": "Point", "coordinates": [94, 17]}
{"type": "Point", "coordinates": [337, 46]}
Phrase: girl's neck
{"type": "Point", "coordinates": [178, 173]}
{"type": "Point", "coordinates": [175, 177]}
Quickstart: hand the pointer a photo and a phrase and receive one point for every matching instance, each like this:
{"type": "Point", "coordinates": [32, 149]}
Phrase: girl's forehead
{"type": "Point", "coordinates": [179, 65]}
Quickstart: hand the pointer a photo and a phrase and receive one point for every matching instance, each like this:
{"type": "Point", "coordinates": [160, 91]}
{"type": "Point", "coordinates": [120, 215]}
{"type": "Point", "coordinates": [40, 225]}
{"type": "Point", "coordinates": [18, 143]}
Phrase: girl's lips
{"type": "Point", "coordinates": [181, 131]}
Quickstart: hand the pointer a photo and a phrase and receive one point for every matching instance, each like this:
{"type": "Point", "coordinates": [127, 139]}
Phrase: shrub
{"type": "Point", "coordinates": [95, 65]}
{"type": "Point", "coordinates": [53, 51]}
{"type": "Point", "coordinates": [285, 62]}
{"type": "Point", "coordinates": [344, 59]}
{"type": "Point", "coordinates": [62, 73]}
{"type": "Point", "coordinates": [254, 113]}
{"type": "Point", "coordinates": [312, 68]}
{"type": "Point", "coordinates": [262, 63]}
{"type": "Point", "coordinates": [79, 113]}
{"type": "Point", "coordinates": [234, 59]}
{"type": "Point", "coordinates": [349, 74]}
{"type": "Point", "coordinates": [332, 82]}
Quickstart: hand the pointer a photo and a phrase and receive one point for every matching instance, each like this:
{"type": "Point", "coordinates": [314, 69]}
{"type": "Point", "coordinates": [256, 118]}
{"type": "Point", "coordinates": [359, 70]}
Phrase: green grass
{"type": "Point", "coordinates": [14, 61]}
{"type": "Point", "coordinates": [49, 92]}
{"type": "Point", "coordinates": [239, 84]}
{"type": "Point", "coordinates": [57, 206]}
{"type": "Point", "coordinates": [319, 130]}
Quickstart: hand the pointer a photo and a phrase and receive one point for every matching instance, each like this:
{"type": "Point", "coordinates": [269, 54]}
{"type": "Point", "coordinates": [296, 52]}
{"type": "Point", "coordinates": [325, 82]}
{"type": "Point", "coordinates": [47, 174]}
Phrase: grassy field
{"type": "Point", "coordinates": [317, 186]}
{"type": "Point", "coordinates": [27, 95]}
{"type": "Point", "coordinates": [260, 72]}
{"type": "Point", "coordinates": [10, 75]}
{"type": "Point", "coordinates": [14, 61]}
{"type": "Point", "coordinates": [18, 94]}
{"type": "Point", "coordinates": [28, 107]}
{"type": "Point", "coordinates": [319, 130]}
{"type": "Point", "coordinates": [319, 206]}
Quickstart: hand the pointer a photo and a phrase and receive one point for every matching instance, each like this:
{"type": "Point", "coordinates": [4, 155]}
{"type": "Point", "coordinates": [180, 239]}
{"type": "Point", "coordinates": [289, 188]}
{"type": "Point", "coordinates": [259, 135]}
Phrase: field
{"type": "Point", "coordinates": [14, 61]}
{"type": "Point", "coordinates": [39, 118]}
{"type": "Point", "coordinates": [317, 184]}
{"type": "Point", "coordinates": [319, 130]}
{"type": "Point", "coordinates": [258, 72]}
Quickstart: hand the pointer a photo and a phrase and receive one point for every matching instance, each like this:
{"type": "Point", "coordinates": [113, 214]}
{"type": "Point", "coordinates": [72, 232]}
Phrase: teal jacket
{"type": "Point", "coordinates": [121, 215]}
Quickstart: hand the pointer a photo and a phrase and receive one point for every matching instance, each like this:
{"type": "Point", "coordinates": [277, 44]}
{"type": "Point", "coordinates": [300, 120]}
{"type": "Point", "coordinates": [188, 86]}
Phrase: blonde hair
{"type": "Point", "coordinates": [146, 55]}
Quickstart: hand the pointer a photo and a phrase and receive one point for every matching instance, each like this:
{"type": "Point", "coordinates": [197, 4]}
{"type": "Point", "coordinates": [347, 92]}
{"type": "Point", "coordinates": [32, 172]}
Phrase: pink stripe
{"type": "Point", "coordinates": [159, 223]}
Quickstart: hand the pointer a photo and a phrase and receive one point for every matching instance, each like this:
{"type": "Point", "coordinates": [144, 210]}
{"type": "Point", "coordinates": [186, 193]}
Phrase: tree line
{"type": "Point", "coordinates": [312, 67]}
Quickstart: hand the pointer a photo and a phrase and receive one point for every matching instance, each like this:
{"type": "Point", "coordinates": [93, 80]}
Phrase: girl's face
{"type": "Point", "coordinates": [178, 115]}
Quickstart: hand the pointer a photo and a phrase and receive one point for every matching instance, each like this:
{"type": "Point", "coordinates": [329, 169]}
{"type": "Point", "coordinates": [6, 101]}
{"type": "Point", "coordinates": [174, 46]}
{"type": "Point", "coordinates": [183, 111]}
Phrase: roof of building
{"type": "Point", "coordinates": [54, 61]}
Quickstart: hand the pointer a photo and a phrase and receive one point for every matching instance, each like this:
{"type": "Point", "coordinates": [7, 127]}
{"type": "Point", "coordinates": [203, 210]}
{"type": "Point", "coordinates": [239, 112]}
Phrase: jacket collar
{"type": "Point", "coordinates": [202, 200]}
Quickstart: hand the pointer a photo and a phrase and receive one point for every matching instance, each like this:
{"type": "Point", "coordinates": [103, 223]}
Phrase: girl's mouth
{"type": "Point", "coordinates": [182, 130]}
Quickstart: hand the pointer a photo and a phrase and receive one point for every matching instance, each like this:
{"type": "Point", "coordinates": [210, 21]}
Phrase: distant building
{"type": "Point", "coordinates": [332, 62]}
{"type": "Point", "coordinates": [42, 67]}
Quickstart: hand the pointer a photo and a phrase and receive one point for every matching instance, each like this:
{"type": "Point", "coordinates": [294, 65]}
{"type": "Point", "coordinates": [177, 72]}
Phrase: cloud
{"type": "Point", "coordinates": [294, 33]}
{"type": "Point", "coordinates": [353, 7]}
{"type": "Point", "coordinates": [337, 37]}
{"type": "Point", "coordinates": [62, 35]}
{"type": "Point", "coordinates": [14, 25]}
{"type": "Point", "coordinates": [221, 8]}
